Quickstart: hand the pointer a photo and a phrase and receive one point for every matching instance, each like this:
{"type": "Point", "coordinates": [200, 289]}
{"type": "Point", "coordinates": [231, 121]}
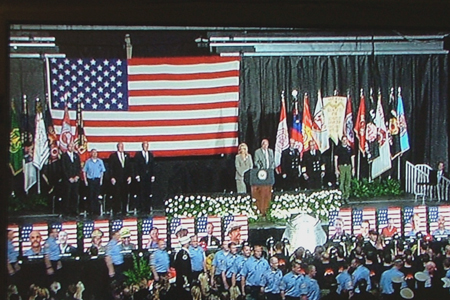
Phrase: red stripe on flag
{"type": "Point", "coordinates": [143, 77]}
{"type": "Point", "coordinates": [183, 107]}
{"type": "Point", "coordinates": [182, 92]}
{"type": "Point", "coordinates": [155, 123]}
{"type": "Point", "coordinates": [173, 153]}
{"type": "Point", "coordinates": [161, 138]}
{"type": "Point", "coordinates": [180, 60]}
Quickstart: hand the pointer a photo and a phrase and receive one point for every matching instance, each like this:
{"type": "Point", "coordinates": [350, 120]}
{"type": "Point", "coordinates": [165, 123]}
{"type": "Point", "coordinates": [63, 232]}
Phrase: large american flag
{"type": "Point", "coordinates": [346, 215]}
{"type": "Point", "coordinates": [148, 224]}
{"type": "Point", "coordinates": [183, 106]}
{"type": "Point", "coordinates": [90, 226]}
{"type": "Point", "coordinates": [188, 223]}
{"type": "Point", "coordinates": [434, 212]}
{"type": "Point", "coordinates": [131, 224]}
{"type": "Point", "coordinates": [202, 223]}
{"type": "Point", "coordinates": [393, 213]}
{"type": "Point", "coordinates": [27, 229]}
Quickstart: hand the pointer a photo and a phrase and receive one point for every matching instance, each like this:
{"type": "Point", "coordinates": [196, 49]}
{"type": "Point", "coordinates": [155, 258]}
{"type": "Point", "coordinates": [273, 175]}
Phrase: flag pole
{"type": "Point", "coordinates": [38, 171]}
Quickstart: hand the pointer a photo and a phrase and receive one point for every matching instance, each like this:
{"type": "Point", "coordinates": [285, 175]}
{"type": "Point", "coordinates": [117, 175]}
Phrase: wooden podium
{"type": "Point", "coordinates": [261, 182]}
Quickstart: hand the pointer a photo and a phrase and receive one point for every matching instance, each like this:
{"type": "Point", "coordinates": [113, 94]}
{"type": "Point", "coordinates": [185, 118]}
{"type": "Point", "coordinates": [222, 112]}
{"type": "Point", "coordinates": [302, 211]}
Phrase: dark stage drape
{"type": "Point", "coordinates": [423, 79]}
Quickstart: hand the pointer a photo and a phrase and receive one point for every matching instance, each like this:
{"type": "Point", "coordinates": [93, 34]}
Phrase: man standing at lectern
{"type": "Point", "coordinates": [264, 157]}
{"type": "Point", "coordinates": [264, 160]}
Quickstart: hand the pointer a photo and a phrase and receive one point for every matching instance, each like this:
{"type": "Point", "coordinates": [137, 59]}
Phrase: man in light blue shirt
{"type": "Point", "coordinates": [198, 258]}
{"type": "Point", "coordinates": [114, 257]}
{"type": "Point", "coordinates": [218, 265]}
{"type": "Point", "coordinates": [227, 272]}
{"type": "Point", "coordinates": [52, 254]}
{"type": "Point", "coordinates": [344, 281]}
{"type": "Point", "coordinates": [272, 280]}
{"type": "Point", "coordinates": [389, 277]}
{"type": "Point", "coordinates": [312, 287]}
{"type": "Point", "coordinates": [238, 264]}
{"type": "Point", "coordinates": [252, 271]}
{"type": "Point", "coordinates": [361, 272]}
{"type": "Point", "coordinates": [160, 262]}
{"type": "Point", "coordinates": [293, 283]}
{"type": "Point", "coordinates": [93, 178]}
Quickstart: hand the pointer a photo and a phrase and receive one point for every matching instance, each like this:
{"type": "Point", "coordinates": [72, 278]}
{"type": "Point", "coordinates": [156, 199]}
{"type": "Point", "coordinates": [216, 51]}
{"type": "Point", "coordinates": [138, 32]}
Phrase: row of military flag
{"type": "Point", "coordinates": [379, 139]}
{"type": "Point", "coordinates": [30, 151]}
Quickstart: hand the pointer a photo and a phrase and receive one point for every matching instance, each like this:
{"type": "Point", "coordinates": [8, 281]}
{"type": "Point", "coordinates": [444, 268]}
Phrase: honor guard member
{"type": "Point", "coordinates": [183, 268]}
{"type": "Point", "coordinates": [198, 258]}
{"type": "Point", "coordinates": [313, 168]}
{"type": "Point", "coordinates": [312, 287]}
{"type": "Point", "coordinates": [114, 257]}
{"type": "Point", "coordinates": [52, 255]}
{"type": "Point", "coordinates": [246, 251]}
{"type": "Point", "coordinates": [272, 281]}
{"type": "Point", "coordinates": [218, 265]}
{"type": "Point", "coordinates": [389, 277]}
{"type": "Point", "coordinates": [292, 284]}
{"type": "Point", "coordinates": [290, 166]}
{"type": "Point", "coordinates": [160, 262]}
{"type": "Point", "coordinates": [360, 272]}
{"type": "Point", "coordinates": [227, 272]}
{"type": "Point", "coordinates": [252, 271]}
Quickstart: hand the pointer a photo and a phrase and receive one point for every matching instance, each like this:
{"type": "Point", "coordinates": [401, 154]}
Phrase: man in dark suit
{"type": "Point", "coordinates": [313, 168]}
{"type": "Point", "coordinates": [144, 165]}
{"type": "Point", "coordinates": [290, 166]}
{"type": "Point", "coordinates": [210, 240]}
{"type": "Point", "coordinates": [71, 167]}
{"type": "Point", "coordinates": [120, 175]}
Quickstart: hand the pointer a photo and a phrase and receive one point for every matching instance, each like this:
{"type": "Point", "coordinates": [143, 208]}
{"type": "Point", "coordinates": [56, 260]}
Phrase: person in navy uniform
{"type": "Point", "coordinates": [313, 168]}
{"type": "Point", "coordinates": [290, 166]}
{"type": "Point", "coordinates": [251, 274]}
{"type": "Point", "coordinates": [272, 281]}
{"type": "Point", "coordinates": [160, 262]}
{"type": "Point", "coordinates": [120, 176]}
{"type": "Point", "coordinates": [71, 167]}
{"type": "Point", "coordinates": [183, 268]}
{"type": "Point", "coordinates": [144, 165]}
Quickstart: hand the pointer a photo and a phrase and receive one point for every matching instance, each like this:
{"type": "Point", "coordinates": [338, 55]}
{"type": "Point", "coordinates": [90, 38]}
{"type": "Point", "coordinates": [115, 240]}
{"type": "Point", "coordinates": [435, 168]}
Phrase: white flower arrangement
{"type": "Point", "coordinates": [209, 205]}
{"type": "Point", "coordinates": [282, 207]}
{"type": "Point", "coordinates": [318, 204]}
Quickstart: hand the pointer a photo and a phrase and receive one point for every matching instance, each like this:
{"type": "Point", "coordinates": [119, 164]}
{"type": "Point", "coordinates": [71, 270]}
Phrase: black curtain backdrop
{"type": "Point", "coordinates": [423, 78]}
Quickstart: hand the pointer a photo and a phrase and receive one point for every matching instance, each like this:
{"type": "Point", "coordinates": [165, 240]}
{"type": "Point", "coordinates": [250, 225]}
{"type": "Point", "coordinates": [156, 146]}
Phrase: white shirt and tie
{"type": "Point", "coordinates": [121, 158]}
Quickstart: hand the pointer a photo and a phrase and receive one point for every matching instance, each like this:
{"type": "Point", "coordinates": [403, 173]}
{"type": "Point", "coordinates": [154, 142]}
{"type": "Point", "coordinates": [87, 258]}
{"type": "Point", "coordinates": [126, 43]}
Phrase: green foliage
{"type": "Point", "coordinates": [377, 188]}
{"type": "Point", "coordinates": [141, 270]}
{"type": "Point", "coordinates": [28, 203]}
